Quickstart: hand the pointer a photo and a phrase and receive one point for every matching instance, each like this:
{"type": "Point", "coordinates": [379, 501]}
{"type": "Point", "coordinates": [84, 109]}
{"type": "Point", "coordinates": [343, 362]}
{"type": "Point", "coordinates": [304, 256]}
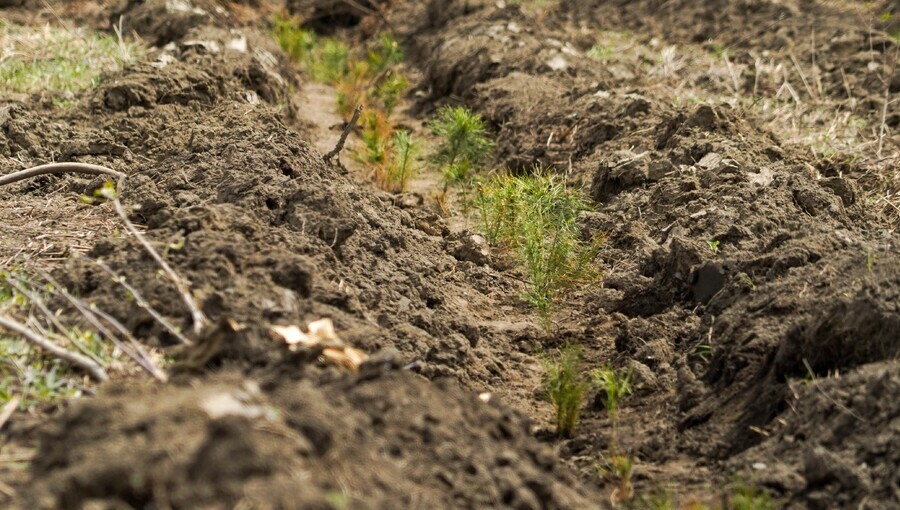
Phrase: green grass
{"type": "Point", "coordinates": [464, 143]}
{"type": "Point", "coordinates": [57, 60]}
{"type": "Point", "coordinates": [566, 386]}
{"type": "Point", "coordinates": [534, 215]}
{"type": "Point", "coordinates": [745, 496]}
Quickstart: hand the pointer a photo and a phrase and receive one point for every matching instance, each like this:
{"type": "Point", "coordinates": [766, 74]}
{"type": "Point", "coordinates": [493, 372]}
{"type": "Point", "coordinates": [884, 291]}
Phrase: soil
{"type": "Point", "coordinates": [751, 287]}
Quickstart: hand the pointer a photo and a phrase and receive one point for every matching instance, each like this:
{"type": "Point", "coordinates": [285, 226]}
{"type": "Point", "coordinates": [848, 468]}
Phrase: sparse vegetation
{"type": "Point", "coordinates": [58, 60]}
{"type": "Point", "coordinates": [25, 371]}
{"type": "Point", "coordinates": [566, 386]}
{"type": "Point", "coordinates": [534, 215]}
{"type": "Point", "coordinates": [372, 80]}
{"type": "Point", "coordinates": [745, 496]}
{"type": "Point", "coordinates": [618, 469]}
{"type": "Point", "coordinates": [326, 59]}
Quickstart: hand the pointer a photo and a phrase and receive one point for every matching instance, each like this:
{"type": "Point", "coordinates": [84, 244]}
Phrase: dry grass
{"type": "Point", "coordinates": [54, 59]}
{"type": "Point", "coordinates": [53, 228]}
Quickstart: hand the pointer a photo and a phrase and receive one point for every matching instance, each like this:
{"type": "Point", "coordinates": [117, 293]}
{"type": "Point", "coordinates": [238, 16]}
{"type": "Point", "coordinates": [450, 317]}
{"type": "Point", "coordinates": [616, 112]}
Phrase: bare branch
{"type": "Point", "coordinates": [91, 313]}
{"type": "Point", "coordinates": [36, 300]}
{"type": "Point", "coordinates": [199, 319]}
{"type": "Point", "coordinates": [141, 302]}
{"type": "Point", "coordinates": [197, 315]}
{"type": "Point", "coordinates": [349, 127]}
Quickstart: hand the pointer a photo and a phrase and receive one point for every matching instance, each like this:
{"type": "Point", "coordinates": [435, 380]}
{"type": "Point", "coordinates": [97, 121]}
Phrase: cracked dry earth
{"type": "Point", "coordinates": [222, 144]}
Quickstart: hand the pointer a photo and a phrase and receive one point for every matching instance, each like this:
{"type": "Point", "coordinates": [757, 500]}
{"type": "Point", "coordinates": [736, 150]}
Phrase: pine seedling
{"type": "Point", "coordinates": [352, 89]}
{"type": "Point", "coordinates": [615, 387]}
{"type": "Point", "coordinates": [330, 62]}
{"type": "Point", "coordinates": [389, 90]}
{"type": "Point", "coordinates": [535, 215]}
{"type": "Point", "coordinates": [386, 53]}
{"type": "Point", "coordinates": [566, 387]}
{"type": "Point", "coordinates": [402, 163]}
{"type": "Point", "coordinates": [376, 135]}
{"type": "Point", "coordinates": [296, 41]}
{"type": "Point", "coordinates": [464, 143]}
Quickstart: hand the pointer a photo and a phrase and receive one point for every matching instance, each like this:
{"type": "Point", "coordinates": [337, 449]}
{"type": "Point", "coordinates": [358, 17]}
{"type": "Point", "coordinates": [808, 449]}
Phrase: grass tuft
{"type": "Point", "coordinates": [26, 371]}
{"type": "Point", "coordinates": [745, 496]}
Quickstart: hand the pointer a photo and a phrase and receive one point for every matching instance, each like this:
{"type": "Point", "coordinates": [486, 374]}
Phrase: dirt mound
{"type": "Point", "coordinates": [268, 229]}
{"type": "Point", "coordinates": [839, 446]}
{"type": "Point", "coordinates": [735, 261]}
{"type": "Point", "coordinates": [838, 49]}
{"type": "Point", "coordinates": [310, 440]}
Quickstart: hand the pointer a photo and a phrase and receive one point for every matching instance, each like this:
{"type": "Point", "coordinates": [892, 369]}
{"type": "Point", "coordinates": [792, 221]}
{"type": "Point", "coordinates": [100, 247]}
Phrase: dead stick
{"type": "Point", "coordinates": [140, 301]}
{"type": "Point", "coordinates": [58, 168]}
{"type": "Point", "coordinates": [8, 410]}
{"type": "Point", "coordinates": [144, 360]}
{"type": "Point", "coordinates": [51, 317]}
{"type": "Point", "coordinates": [91, 314]}
{"type": "Point", "coordinates": [95, 370]}
{"type": "Point", "coordinates": [196, 314]}
{"type": "Point", "coordinates": [349, 127]}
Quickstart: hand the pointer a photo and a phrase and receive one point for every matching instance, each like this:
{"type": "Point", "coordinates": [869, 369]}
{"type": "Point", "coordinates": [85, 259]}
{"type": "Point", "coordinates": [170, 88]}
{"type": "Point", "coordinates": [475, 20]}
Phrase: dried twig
{"type": "Point", "coordinates": [141, 302]}
{"type": "Point", "coordinates": [8, 410]}
{"type": "Point", "coordinates": [883, 127]}
{"type": "Point", "coordinates": [143, 359]}
{"type": "Point", "coordinates": [91, 314]}
{"type": "Point", "coordinates": [95, 370]}
{"type": "Point", "coordinates": [349, 127]}
{"type": "Point", "coordinates": [199, 319]}
{"type": "Point", "coordinates": [197, 315]}
{"type": "Point", "coordinates": [36, 300]}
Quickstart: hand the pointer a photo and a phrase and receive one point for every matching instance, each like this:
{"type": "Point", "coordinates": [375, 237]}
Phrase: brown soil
{"type": "Point", "coordinates": [222, 141]}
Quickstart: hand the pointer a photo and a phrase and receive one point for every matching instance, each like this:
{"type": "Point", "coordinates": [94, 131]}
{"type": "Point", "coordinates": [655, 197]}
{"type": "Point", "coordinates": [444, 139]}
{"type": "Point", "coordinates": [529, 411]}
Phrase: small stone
{"type": "Point", "coordinates": [558, 63]}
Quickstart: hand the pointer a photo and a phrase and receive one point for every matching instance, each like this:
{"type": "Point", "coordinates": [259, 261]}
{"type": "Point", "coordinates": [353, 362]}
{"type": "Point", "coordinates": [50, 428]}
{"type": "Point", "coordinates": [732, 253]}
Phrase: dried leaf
{"type": "Point", "coordinates": [321, 335]}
